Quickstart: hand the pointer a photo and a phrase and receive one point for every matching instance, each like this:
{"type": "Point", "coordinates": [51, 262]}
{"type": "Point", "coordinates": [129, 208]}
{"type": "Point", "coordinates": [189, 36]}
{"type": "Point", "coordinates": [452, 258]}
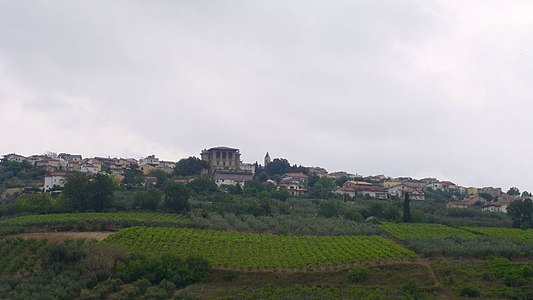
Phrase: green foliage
{"type": "Point", "coordinates": [513, 191]}
{"type": "Point", "coordinates": [39, 203]}
{"type": "Point", "coordinates": [486, 196]}
{"type": "Point", "coordinates": [100, 191]}
{"type": "Point", "coordinates": [257, 251]}
{"type": "Point", "coordinates": [470, 291]}
{"type": "Point", "coordinates": [191, 166]}
{"type": "Point", "coordinates": [358, 274]}
{"type": "Point", "coordinates": [133, 178]}
{"type": "Point", "coordinates": [524, 235]}
{"type": "Point", "coordinates": [323, 188]}
{"type": "Point", "coordinates": [404, 231]}
{"type": "Point", "coordinates": [521, 212]}
{"type": "Point", "coordinates": [329, 208]}
{"type": "Point", "coordinates": [148, 199]}
{"type": "Point", "coordinates": [278, 166]}
{"type": "Point", "coordinates": [160, 175]}
{"type": "Point", "coordinates": [84, 192]}
{"type": "Point", "coordinates": [406, 209]}
{"type": "Point", "coordinates": [203, 185]}
{"type": "Point", "coordinates": [167, 266]}
{"type": "Point", "coordinates": [122, 218]}
{"type": "Point", "coordinates": [13, 174]}
{"type": "Point", "coordinates": [457, 246]}
{"type": "Point", "coordinates": [176, 197]}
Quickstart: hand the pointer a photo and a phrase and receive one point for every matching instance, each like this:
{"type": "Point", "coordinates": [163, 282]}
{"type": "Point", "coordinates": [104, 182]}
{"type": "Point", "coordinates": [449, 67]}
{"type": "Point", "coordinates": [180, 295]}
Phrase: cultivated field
{"type": "Point", "coordinates": [133, 217]}
{"type": "Point", "coordinates": [259, 251]}
{"type": "Point", "coordinates": [524, 235]}
{"type": "Point", "coordinates": [403, 231]}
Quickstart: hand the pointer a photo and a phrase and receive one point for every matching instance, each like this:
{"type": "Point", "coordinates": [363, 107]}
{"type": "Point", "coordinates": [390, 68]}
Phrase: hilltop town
{"type": "Point", "coordinates": [224, 166]}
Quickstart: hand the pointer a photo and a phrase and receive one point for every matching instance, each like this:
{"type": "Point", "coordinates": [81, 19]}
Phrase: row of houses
{"type": "Point", "coordinates": [57, 166]}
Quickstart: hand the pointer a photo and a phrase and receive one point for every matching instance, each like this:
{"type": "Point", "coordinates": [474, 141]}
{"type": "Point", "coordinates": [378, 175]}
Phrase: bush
{"type": "Point", "coordinates": [470, 291]}
{"type": "Point", "coordinates": [358, 274]}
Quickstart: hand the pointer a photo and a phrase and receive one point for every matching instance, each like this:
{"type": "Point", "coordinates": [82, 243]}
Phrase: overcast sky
{"type": "Point", "coordinates": [416, 88]}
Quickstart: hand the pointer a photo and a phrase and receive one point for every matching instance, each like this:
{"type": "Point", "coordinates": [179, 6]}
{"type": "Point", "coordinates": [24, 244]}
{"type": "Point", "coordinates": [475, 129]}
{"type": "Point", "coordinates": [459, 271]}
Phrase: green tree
{"type": "Point", "coordinates": [521, 212]}
{"type": "Point", "coordinates": [406, 208]}
{"type": "Point", "coordinates": [323, 188]}
{"type": "Point", "coordinates": [203, 185]}
{"type": "Point", "coordinates": [192, 166]}
{"type": "Point", "coordinates": [486, 196]}
{"type": "Point", "coordinates": [278, 166]}
{"type": "Point", "coordinates": [160, 175]}
{"type": "Point", "coordinates": [329, 209]}
{"type": "Point", "coordinates": [75, 192]}
{"type": "Point", "coordinates": [176, 197]}
{"type": "Point", "coordinates": [148, 199]}
{"type": "Point", "coordinates": [252, 188]}
{"type": "Point", "coordinates": [133, 178]}
{"type": "Point", "coordinates": [513, 191]}
{"type": "Point", "coordinates": [100, 190]}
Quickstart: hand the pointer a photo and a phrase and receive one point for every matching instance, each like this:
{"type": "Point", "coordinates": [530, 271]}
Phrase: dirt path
{"type": "Point", "coordinates": [61, 236]}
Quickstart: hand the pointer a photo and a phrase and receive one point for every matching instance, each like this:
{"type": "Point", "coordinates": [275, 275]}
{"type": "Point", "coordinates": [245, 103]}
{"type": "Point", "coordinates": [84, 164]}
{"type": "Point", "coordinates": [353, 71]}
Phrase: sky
{"type": "Point", "coordinates": [419, 88]}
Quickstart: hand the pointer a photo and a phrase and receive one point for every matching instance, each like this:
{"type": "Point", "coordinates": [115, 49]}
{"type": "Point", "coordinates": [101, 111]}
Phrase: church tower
{"type": "Point", "coordinates": [267, 159]}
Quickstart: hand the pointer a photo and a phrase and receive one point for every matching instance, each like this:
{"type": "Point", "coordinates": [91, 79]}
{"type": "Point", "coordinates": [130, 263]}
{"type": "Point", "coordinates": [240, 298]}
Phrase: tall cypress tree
{"type": "Point", "coordinates": [406, 208]}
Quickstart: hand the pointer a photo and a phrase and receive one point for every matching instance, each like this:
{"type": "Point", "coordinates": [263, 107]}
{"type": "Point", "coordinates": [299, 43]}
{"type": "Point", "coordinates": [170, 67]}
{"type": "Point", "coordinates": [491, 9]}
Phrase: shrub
{"type": "Point", "coordinates": [470, 291]}
{"type": "Point", "coordinates": [358, 274]}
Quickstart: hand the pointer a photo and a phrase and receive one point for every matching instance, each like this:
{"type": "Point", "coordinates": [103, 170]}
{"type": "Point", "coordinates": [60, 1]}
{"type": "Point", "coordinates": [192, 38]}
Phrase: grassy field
{"type": "Point", "coordinates": [123, 217]}
{"type": "Point", "coordinates": [249, 251]}
{"type": "Point", "coordinates": [403, 231]}
{"type": "Point", "coordinates": [524, 235]}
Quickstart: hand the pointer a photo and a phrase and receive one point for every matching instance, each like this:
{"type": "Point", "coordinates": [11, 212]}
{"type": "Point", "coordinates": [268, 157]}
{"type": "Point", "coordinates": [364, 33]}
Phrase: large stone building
{"type": "Point", "coordinates": [225, 166]}
{"type": "Point", "coordinates": [222, 158]}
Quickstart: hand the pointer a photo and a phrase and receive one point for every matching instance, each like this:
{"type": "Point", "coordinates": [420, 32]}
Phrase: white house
{"type": "Point", "coordinates": [495, 207]}
{"type": "Point", "coordinates": [14, 157]}
{"type": "Point", "coordinates": [54, 180]}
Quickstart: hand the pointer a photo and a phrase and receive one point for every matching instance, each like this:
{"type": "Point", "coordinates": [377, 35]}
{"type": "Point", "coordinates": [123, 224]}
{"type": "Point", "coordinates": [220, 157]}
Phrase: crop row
{"type": "Point", "coordinates": [141, 217]}
{"type": "Point", "coordinates": [404, 231]}
{"type": "Point", "coordinates": [258, 251]}
{"type": "Point", "coordinates": [524, 235]}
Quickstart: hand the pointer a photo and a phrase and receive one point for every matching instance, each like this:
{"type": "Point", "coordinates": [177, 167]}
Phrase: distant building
{"type": "Point", "coordinates": [54, 180]}
{"type": "Point", "coordinates": [267, 159]}
{"type": "Point", "coordinates": [222, 158]}
{"type": "Point", "coordinates": [14, 157]}
{"type": "Point", "coordinates": [296, 183]}
{"type": "Point", "coordinates": [225, 166]}
{"type": "Point", "coordinates": [495, 207]}
{"type": "Point", "coordinates": [362, 188]}
{"type": "Point", "coordinates": [150, 160]}
{"type": "Point", "coordinates": [317, 171]}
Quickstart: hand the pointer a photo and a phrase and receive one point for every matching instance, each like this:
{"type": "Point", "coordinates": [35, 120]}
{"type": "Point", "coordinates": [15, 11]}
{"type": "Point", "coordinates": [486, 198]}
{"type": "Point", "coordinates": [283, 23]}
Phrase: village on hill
{"type": "Point", "coordinates": [224, 166]}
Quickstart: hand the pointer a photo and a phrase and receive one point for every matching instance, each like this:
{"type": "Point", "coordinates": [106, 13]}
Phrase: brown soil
{"type": "Point", "coordinates": [61, 236]}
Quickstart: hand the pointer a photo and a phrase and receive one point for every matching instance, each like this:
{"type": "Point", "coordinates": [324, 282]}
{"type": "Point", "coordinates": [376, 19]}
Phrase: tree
{"type": "Point", "coordinates": [486, 196]}
{"type": "Point", "coordinates": [133, 178]}
{"type": "Point", "coordinates": [323, 188]}
{"type": "Point", "coordinates": [76, 196]}
{"type": "Point", "coordinates": [83, 192]}
{"type": "Point", "coordinates": [513, 191]}
{"type": "Point", "coordinates": [278, 166]}
{"type": "Point", "coordinates": [329, 209]}
{"type": "Point", "coordinates": [192, 166]}
{"type": "Point", "coordinates": [406, 209]}
{"type": "Point", "coordinates": [203, 185]}
{"type": "Point", "coordinates": [521, 212]}
{"type": "Point", "coordinates": [100, 190]}
{"type": "Point", "coordinates": [176, 197]}
{"type": "Point", "coordinates": [160, 175]}
{"type": "Point", "coordinates": [148, 199]}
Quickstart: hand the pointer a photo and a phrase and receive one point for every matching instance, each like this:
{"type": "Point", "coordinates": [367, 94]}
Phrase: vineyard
{"type": "Point", "coordinates": [133, 217]}
{"type": "Point", "coordinates": [524, 235]}
{"type": "Point", "coordinates": [404, 231]}
{"type": "Point", "coordinates": [258, 251]}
